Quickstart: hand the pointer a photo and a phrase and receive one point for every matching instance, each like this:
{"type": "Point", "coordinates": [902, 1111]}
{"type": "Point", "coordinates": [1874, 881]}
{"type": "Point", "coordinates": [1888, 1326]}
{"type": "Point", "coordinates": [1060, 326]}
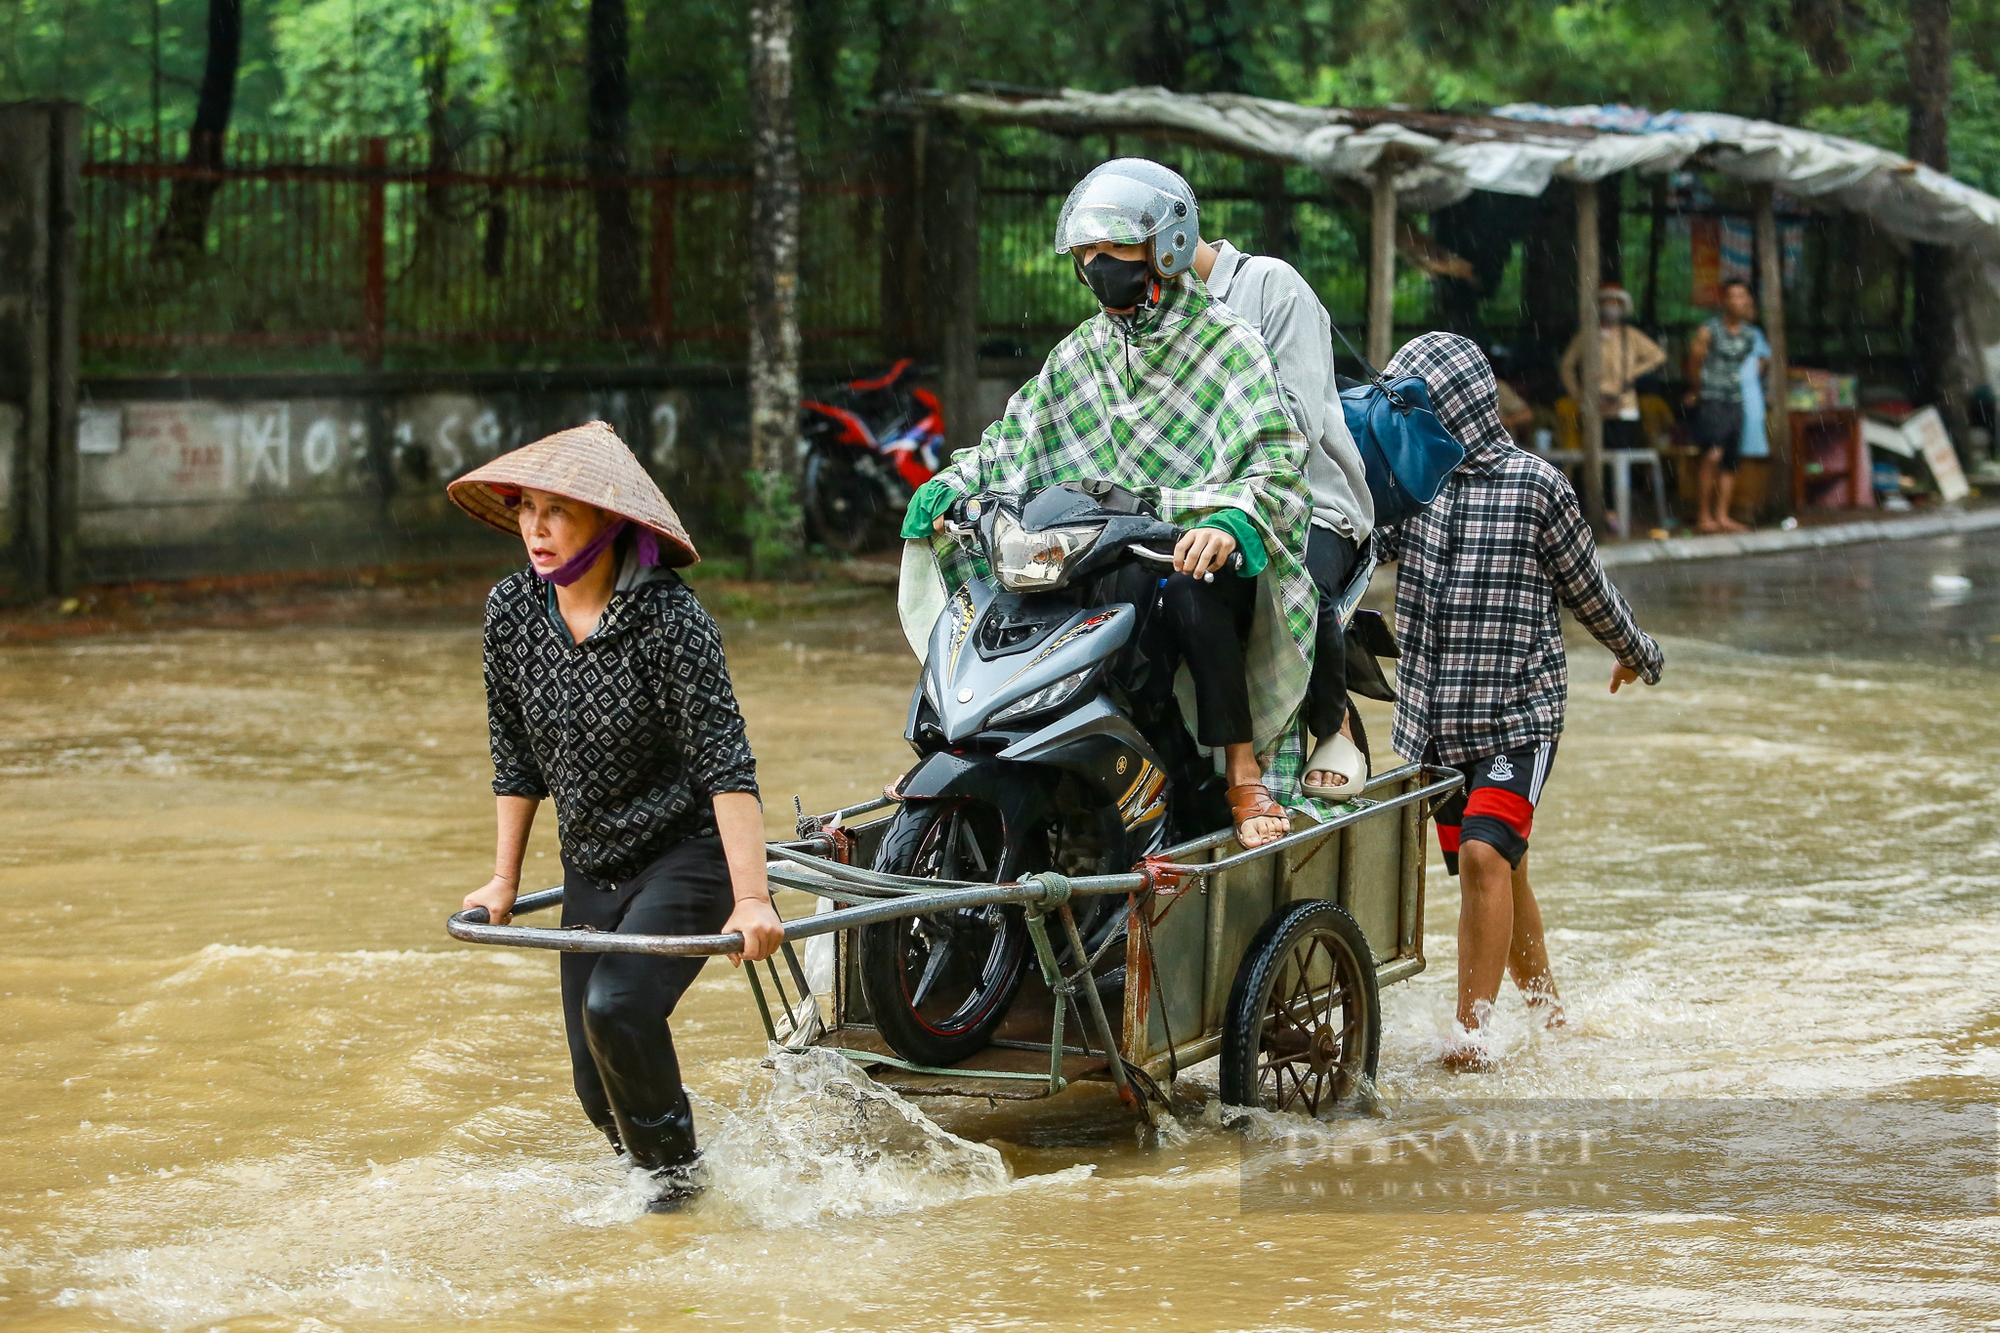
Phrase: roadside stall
{"type": "Point", "coordinates": [1745, 192]}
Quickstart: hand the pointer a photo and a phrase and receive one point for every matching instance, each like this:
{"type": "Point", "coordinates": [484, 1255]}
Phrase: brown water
{"type": "Point", "coordinates": [248, 1084]}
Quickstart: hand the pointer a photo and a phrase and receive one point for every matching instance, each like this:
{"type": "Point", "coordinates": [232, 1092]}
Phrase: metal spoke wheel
{"type": "Point", "coordinates": [938, 985]}
{"type": "Point", "coordinates": [841, 499]}
{"type": "Point", "coordinates": [1303, 1026]}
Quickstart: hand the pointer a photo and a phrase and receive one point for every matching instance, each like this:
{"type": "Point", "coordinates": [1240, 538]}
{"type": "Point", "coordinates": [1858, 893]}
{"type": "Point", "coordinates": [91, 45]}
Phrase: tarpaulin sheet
{"type": "Point", "coordinates": [1437, 160]}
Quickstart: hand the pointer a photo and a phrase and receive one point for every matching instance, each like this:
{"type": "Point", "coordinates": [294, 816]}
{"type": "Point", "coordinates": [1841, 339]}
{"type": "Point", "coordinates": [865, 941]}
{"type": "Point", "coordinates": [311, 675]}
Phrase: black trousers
{"type": "Point", "coordinates": [1210, 624]}
{"type": "Point", "coordinates": [616, 1005]}
{"type": "Point", "coordinates": [1330, 560]}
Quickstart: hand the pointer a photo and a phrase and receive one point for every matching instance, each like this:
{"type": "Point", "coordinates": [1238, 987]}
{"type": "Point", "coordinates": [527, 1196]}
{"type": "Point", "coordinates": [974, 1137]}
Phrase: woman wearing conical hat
{"type": "Point", "coordinates": [606, 689]}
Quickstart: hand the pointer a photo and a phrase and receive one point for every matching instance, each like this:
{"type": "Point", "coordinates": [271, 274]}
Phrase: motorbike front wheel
{"type": "Point", "coordinates": [937, 986]}
{"type": "Point", "coordinates": [841, 499]}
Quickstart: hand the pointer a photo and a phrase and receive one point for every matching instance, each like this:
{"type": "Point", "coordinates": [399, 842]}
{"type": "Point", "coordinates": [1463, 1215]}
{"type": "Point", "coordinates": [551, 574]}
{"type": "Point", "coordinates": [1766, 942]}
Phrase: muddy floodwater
{"type": "Point", "coordinates": [247, 1083]}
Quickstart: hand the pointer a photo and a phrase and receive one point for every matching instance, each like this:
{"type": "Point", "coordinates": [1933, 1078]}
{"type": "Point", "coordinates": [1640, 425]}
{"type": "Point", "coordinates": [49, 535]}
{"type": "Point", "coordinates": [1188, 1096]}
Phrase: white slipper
{"type": "Point", "coordinates": [1342, 758]}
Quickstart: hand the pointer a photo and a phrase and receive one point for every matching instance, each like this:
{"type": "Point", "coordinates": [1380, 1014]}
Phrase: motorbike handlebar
{"type": "Point", "coordinates": [1165, 559]}
{"type": "Point", "coordinates": [968, 532]}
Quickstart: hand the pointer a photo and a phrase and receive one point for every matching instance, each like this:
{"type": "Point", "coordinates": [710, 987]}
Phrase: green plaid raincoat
{"type": "Point", "coordinates": [1180, 405]}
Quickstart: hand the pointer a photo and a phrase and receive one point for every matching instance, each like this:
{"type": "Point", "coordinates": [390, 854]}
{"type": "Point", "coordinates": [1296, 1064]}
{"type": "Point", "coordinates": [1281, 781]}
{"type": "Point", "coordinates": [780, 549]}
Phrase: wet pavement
{"type": "Point", "coordinates": [252, 1086]}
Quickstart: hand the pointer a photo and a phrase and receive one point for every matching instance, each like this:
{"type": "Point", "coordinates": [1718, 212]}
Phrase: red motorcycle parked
{"type": "Point", "coordinates": [866, 453]}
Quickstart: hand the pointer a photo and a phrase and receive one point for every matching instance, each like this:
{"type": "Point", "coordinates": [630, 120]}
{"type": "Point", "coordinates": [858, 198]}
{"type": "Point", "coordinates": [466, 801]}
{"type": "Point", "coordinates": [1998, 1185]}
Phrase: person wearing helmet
{"type": "Point", "coordinates": [1169, 394]}
{"type": "Point", "coordinates": [1281, 304]}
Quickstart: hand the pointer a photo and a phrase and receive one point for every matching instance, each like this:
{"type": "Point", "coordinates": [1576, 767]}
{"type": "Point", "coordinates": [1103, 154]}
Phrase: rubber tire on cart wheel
{"type": "Point", "coordinates": [841, 502]}
{"type": "Point", "coordinates": [932, 1008]}
{"type": "Point", "coordinates": [1292, 1048]}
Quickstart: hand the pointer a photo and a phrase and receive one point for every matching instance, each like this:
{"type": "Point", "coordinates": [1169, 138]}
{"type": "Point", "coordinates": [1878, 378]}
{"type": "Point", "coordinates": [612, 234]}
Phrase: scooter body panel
{"type": "Point", "coordinates": [968, 689]}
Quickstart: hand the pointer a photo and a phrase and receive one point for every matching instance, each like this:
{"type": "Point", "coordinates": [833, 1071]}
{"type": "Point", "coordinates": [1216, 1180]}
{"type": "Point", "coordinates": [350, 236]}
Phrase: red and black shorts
{"type": "Point", "coordinates": [1496, 805]}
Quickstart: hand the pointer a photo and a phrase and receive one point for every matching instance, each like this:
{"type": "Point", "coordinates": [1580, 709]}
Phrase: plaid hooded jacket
{"type": "Point", "coordinates": [1482, 572]}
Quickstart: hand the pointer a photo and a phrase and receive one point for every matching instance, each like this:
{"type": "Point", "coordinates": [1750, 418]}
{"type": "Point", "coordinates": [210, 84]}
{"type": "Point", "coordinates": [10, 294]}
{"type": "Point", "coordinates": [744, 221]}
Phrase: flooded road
{"type": "Point", "coordinates": [249, 1084]}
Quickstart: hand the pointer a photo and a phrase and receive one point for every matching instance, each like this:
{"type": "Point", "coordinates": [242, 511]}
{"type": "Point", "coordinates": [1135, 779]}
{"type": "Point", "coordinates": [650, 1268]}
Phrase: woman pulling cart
{"type": "Point", "coordinates": [606, 689]}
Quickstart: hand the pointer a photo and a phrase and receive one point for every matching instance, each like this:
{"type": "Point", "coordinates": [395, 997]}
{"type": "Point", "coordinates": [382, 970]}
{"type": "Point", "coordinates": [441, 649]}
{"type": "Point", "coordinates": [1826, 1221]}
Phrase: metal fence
{"type": "Point", "coordinates": [344, 248]}
{"type": "Point", "coordinates": [322, 252]}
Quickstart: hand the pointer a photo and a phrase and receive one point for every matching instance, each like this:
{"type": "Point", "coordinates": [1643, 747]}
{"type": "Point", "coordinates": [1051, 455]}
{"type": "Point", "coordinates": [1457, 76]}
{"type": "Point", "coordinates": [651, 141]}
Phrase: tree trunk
{"type": "Point", "coordinates": [1816, 25]}
{"type": "Point", "coordinates": [184, 231]}
{"type": "Point", "coordinates": [435, 219]}
{"type": "Point", "coordinates": [1933, 325]}
{"type": "Point", "coordinates": [1160, 56]}
{"type": "Point", "coordinates": [621, 287]}
{"type": "Point", "coordinates": [773, 520]}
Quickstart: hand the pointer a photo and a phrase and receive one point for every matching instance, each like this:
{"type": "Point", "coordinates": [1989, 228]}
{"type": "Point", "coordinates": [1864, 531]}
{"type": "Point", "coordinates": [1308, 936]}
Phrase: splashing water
{"type": "Point", "coordinates": [830, 1142]}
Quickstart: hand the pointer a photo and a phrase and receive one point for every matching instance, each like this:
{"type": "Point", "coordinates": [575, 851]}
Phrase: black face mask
{"type": "Point", "coordinates": [1118, 284]}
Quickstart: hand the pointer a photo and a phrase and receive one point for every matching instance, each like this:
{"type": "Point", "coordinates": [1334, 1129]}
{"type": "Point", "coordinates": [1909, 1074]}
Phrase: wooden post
{"type": "Point", "coordinates": [961, 322]}
{"type": "Point", "coordinates": [1382, 265]}
{"type": "Point", "coordinates": [919, 299]}
{"type": "Point", "coordinates": [893, 168]}
{"type": "Point", "coordinates": [664, 256]}
{"type": "Point", "coordinates": [1777, 415]}
{"type": "Point", "coordinates": [374, 264]}
{"type": "Point", "coordinates": [39, 204]}
{"type": "Point", "coordinates": [1649, 313]}
{"type": "Point", "coordinates": [65, 339]}
{"type": "Point", "coordinates": [1589, 411]}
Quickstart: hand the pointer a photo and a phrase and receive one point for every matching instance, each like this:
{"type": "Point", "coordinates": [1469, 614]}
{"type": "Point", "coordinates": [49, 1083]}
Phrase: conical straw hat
{"type": "Point", "coordinates": [588, 463]}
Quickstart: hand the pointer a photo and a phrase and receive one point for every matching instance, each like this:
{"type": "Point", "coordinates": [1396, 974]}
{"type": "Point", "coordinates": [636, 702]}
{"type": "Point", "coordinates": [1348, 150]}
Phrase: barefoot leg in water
{"type": "Point", "coordinates": [1528, 955]}
{"type": "Point", "coordinates": [1485, 933]}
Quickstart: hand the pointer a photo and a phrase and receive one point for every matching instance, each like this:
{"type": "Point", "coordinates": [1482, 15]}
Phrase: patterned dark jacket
{"type": "Point", "coordinates": [632, 730]}
{"type": "Point", "coordinates": [1482, 571]}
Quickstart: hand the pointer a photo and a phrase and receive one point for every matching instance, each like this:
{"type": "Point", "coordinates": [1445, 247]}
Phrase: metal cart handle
{"type": "Point", "coordinates": [473, 924]}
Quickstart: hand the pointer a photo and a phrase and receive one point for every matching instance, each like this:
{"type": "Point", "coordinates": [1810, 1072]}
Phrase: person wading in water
{"type": "Point", "coordinates": [1483, 682]}
{"type": "Point", "coordinates": [606, 688]}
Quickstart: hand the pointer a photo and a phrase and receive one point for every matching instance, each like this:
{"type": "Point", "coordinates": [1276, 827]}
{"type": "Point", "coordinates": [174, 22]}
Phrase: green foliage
{"type": "Point", "coordinates": [466, 67]}
{"type": "Point", "coordinates": [773, 522]}
{"type": "Point", "coordinates": [363, 67]}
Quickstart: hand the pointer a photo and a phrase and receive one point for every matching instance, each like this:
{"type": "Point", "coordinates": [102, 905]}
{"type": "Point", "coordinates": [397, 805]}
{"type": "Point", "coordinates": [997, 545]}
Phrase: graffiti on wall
{"type": "Point", "coordinates": [189, 465]}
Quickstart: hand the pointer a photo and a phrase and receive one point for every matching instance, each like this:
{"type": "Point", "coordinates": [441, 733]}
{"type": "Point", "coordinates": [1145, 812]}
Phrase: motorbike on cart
{"type": "Point", "coordinates": [1049, 740]}
{"type": "Point", "coordinates": [865, 453]}
{"type": "Point", "coordinates": [1040, 722]}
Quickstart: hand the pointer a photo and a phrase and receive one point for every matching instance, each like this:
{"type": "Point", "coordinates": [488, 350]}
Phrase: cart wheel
{"type": "Point", "coordinates": [1303, 1024]}
{"type": "Point", "coordinates": [938, 985]}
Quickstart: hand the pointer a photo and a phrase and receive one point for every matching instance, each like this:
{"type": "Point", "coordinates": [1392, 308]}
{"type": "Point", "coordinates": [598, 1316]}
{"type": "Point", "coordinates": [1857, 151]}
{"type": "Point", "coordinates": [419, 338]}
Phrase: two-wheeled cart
{"type": "Point", "coordinates": [1272, 959]}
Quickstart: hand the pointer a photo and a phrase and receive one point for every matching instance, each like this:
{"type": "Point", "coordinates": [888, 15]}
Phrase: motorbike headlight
{"type": "Point", "coordinates": [1049, 696]}
{"type": "Point", "coordinates": [1036, 561]}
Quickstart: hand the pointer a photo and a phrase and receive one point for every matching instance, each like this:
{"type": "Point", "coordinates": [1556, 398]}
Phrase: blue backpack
{"type": "Point", "coordinates": [1405, 450]}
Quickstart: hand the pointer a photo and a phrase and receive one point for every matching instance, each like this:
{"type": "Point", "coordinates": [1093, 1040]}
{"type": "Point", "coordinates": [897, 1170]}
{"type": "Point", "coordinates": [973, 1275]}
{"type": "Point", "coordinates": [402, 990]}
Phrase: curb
{"type": "Point", "coordinates": [1775, 541]}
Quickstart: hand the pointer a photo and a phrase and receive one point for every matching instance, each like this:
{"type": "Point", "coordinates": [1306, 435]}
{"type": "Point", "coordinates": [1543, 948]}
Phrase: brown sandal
{"type": "Point", "coordinates": [1252, 800]}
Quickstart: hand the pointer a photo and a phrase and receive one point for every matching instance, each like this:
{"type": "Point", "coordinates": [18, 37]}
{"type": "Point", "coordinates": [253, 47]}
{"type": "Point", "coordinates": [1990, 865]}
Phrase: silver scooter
{"type": "Point", "coordinates": [1048, 739]}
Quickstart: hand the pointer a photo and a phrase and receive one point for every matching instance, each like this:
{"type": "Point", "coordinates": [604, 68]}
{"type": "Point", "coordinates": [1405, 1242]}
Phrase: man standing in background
{"type": "Point", "coordinates": [1627, 356]}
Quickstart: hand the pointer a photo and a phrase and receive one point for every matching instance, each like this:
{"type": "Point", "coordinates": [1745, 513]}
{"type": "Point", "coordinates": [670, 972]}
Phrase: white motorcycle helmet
{"type": "Point", "coordinates": [1133, 201]}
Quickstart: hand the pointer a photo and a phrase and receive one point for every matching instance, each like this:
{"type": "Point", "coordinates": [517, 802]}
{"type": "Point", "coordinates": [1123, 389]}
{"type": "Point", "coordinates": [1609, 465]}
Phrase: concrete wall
{"type": "Point", "coordinates": [192, 477]}
{"type": "Point", "coordinates": [185, 478]}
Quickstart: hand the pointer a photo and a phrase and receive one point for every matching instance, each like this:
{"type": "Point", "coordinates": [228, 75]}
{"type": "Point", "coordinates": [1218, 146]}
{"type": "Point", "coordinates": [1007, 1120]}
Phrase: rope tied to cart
{"type": "Point", "coordinates": [1055, 891]}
